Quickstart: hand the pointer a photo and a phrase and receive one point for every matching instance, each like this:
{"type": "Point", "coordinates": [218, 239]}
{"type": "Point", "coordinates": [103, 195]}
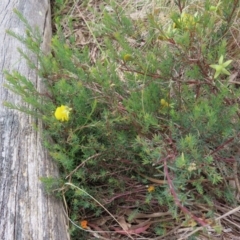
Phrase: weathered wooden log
{"type": "Point", "coordinates": [26, 211]}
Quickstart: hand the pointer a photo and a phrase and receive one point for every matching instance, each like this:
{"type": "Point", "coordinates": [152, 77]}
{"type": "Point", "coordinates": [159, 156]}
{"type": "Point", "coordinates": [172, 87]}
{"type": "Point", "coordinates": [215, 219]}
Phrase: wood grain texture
{"type": "Point", "coordinates": [26, 212]}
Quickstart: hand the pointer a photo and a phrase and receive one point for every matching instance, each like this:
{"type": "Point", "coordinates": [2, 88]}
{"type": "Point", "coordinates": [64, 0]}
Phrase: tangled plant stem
{"type": "Point", "coordinates": [176, 200]}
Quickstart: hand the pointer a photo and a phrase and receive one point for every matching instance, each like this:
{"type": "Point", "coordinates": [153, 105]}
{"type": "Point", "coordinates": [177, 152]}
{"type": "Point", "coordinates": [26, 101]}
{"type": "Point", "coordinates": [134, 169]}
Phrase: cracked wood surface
{"type": "Point", "coordinates": [26, 212]}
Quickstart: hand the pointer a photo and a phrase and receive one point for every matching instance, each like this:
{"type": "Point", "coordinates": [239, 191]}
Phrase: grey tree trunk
{"type": "Point", "coordinates": [26, 212]}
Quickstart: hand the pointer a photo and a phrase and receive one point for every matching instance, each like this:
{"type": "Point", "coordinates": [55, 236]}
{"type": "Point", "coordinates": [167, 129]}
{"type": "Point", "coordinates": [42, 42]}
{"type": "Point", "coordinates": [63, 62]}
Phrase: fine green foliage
{"type": "Point", "coordinates": [149, 107]}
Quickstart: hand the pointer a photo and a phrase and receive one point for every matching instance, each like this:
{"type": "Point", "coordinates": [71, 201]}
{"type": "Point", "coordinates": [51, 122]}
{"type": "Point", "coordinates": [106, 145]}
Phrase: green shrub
{"type": "Point", "coordinates": [147, 109]}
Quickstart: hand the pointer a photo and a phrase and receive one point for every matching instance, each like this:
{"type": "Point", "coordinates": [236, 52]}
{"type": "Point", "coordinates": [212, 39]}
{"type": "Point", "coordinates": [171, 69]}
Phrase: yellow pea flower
{"type": "Point", "coordinates": [164, 103]}
{"type": "Point", "coordinates": [127, 57]}
{"type": "Point", "coordinates": [151, 189]}
{"type": "Point", "coordinates": [62, 113]}
{"type": "Point", "coordinates": [84, 224]}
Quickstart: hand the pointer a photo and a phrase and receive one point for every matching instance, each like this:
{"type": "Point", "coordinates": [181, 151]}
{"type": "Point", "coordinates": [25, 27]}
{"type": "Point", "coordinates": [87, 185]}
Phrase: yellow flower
{"type": "Point", "coordinates": [83, 224]}
{"type": "Point", "coordinates": [164, 103]}
{"type": "Point", "coordinates": [62, 113]}
{"type": "Point", "coordinates": [127, 57]}
{"type": "Point", "coordinates": [151, 189]}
